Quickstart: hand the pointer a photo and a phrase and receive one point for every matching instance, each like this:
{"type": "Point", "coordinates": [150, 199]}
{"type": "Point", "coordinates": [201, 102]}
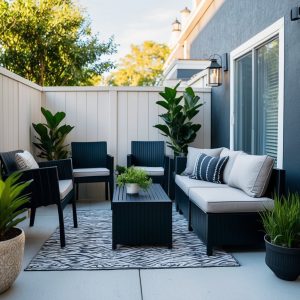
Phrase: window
{"type": "Point", "coordinates": [257, 94]}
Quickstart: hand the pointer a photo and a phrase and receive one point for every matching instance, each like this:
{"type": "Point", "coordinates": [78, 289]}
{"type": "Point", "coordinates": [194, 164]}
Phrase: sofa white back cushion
{"type": "Point", "coordinates": [193, 154]}
{"type": "Point", "coordinates": [232, 156]}
{"type": "Point", "coordinates": [251, 173]}
{"type": "Point", "coordinates": [25, 160]}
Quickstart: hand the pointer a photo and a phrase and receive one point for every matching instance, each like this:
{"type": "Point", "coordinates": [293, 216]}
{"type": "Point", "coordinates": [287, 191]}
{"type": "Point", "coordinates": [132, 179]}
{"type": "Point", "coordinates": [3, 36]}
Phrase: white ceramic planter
{"type": "Point", "coordinates": [132, 188]}
{"type": "Point", "coordinates": [11, 256]}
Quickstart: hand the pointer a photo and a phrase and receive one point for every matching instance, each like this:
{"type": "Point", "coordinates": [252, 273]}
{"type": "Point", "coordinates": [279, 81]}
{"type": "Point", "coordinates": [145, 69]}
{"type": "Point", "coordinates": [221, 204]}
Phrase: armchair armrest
{"type": "Point", "coordinates": [180, 164]}
{"type": "Point", "coordinates": [64, 167]}
{"type": "Point", "coordinates": [44, 190]}
{"type": "Point", "coordinates": [110, 164]}
{"type": "Point", "coordinates": [129, 160]}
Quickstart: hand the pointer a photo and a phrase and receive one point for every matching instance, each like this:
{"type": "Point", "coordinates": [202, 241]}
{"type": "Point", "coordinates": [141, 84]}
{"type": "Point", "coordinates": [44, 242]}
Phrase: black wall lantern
{"type": "Point", "coordinates": [215, 69]}
{"type": "Point", "coordinates": [295, 13]}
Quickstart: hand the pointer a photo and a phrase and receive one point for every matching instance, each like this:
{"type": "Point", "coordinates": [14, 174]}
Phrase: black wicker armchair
{"type": "Point", "coordinates": [150, 156]}
{"type": "Point", "coordinates": [91, 163]}
{"type": "Point", "coordinates": [52, 185]}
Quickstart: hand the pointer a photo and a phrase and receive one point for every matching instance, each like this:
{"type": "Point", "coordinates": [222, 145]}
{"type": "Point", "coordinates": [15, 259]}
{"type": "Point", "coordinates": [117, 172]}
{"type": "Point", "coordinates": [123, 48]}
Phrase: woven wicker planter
{"type": "Point", "coordinates": [284, 262]}
{"type": "Point", "coordinates": [11, 256]}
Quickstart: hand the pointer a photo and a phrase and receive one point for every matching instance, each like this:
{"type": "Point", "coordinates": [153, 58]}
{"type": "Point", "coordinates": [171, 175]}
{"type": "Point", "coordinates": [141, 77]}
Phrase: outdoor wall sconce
{"type": "Point", "coordinates": [215, 69]}
{"type": "Point", "coordinates": [295, 13]}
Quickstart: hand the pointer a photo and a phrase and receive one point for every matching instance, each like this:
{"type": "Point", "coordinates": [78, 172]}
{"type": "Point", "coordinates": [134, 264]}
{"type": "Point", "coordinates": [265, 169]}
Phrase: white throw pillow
{"type": "Point", "coordinates": [251, 173]}
{"type": "Point", "coordinates": [232, 156]}
{"type": "Point", "coordinates": [193, 153]}
{"type": "Point", "coordinates": [25, 161]}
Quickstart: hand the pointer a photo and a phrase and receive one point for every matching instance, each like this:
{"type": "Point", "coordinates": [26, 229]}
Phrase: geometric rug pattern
{"type": "Point", "coordinates": [88, 247]}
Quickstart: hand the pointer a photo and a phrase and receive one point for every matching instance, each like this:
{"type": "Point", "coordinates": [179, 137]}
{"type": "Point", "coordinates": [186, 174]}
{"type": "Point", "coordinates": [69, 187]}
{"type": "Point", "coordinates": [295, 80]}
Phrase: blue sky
{"type": "Point", "coordinates": [133, 21]}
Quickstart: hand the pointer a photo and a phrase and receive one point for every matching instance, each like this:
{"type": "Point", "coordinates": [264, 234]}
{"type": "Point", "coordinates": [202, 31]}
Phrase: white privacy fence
{"type": "Point", "coordinates": [117, 115]}
{"type": "Point", "coordinates": [20, 102]}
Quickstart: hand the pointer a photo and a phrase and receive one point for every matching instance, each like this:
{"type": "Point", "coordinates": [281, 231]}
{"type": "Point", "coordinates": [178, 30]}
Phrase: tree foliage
{"type": "Point", "coordinates": [50, 42]}
{"type": "Point", "coordinates": [142, 67]}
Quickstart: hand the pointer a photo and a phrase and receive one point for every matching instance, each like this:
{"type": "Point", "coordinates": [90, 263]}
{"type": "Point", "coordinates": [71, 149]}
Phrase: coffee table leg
{"type": "Point", "coordinates": [114, 246]}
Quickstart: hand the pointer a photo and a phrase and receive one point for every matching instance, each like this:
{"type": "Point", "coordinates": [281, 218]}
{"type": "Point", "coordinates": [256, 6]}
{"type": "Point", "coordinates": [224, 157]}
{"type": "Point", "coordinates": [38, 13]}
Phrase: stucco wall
{"type": "Point", "coordinates": [235, 22]}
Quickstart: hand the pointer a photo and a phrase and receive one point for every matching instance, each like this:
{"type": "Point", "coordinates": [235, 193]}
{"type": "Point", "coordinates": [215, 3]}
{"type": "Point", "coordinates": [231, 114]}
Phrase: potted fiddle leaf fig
{"type": "Point", "coordinates": [12, 239]}
{"type": "Point", "coordinates": [134, 179]}
{"type": "Point", "coordinates": [51, 137]}
{"type": "Point", "coordinates": [282, 239]}
{"type": "Point", "coordinates": [180, 110]}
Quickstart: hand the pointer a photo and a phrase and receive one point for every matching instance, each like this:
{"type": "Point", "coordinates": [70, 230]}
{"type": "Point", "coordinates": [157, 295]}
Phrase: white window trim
{"type": "Point", "coordinates": [276, 28]}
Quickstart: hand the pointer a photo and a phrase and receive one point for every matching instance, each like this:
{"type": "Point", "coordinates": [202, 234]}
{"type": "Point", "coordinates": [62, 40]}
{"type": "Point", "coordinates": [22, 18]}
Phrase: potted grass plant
{"type": "Point", "coordinates": [134, 179]}
{"type": "Point", "coordinates": [282, 239]}
{"type": "Point", "coordinates": [12, 239]}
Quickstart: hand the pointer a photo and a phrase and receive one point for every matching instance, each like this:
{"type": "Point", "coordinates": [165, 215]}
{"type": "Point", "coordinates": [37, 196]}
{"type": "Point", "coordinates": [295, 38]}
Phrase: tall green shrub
{"type": "Point", "coordinates": [51, 136]}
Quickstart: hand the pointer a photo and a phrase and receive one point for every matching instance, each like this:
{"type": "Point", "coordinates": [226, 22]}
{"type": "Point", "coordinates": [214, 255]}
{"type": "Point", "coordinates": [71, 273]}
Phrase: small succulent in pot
{"type": "Point", "coordinates": [134, 179]}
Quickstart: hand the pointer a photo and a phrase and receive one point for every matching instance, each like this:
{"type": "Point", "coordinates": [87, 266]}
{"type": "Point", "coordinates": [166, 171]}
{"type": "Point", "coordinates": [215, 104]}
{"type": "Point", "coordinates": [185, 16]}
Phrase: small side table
{"type": "Point", "coordinates": [142, 219]}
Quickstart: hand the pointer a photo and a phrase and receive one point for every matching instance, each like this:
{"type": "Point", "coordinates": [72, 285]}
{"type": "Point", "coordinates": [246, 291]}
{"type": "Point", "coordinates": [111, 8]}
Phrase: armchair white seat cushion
{"type": "Point", "coordinates": [186, 183]}
{"type": "Point", "coordinates": [88, 172]}
{"type": "Point", "coordinates": [227, 200]}
{"type": "Point", "coordinates": [65, 187]}
{"type": "Point", "coordinates": [152, 171]}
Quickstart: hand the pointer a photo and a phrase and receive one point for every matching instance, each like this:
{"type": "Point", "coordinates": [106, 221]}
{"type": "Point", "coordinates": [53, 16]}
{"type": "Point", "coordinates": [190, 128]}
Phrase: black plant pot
{"type": "Point", "coordinates": [284, 262]}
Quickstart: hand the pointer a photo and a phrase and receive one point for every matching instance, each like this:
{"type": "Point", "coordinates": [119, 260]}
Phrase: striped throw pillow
{"type": "Point", "coordinates": [209, 168]}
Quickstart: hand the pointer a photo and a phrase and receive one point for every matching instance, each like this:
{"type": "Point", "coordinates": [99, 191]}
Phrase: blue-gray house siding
{"type": "Point", "coordinates": [232, 25]}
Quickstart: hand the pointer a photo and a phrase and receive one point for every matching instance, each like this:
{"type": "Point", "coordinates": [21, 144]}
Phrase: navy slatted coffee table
{"type": "Point", "coordinates": [142, 219]}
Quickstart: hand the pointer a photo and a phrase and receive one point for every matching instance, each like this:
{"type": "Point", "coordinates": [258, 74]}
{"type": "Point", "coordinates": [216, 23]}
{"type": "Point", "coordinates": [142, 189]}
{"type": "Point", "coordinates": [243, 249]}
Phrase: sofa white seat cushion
{"type": "Point", "coordinates": [65, 187]}
{"type": "Point", "coordinates": [25, 161]}
{"type": "Point", "coordinates": [152, 171]}
{"type": "Point", "coordinates": [88, 172]}
{"type": "Point", "coordinates": [193, 153]}
{"type": "Point", "coordinates": [186, 183]}
{"type": "Point", "coordinates": [227, 200]}
{"type": "Point", "coordinates": [251, 173]}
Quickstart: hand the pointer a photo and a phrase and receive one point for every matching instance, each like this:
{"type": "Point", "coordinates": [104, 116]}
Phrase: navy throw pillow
{"type": "Point", "coordinates": [209, 168]}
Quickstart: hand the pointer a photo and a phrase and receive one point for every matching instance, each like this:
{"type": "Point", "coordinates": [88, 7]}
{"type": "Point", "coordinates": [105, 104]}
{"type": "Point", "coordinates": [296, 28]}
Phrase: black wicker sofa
{"type": "Point", "coordinates": [217, 227]}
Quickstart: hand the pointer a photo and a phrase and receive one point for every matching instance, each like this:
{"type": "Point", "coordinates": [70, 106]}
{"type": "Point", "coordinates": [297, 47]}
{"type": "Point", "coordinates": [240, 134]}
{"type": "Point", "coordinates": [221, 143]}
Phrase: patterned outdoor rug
{"type": "Point", "coordinates": [88, 247]}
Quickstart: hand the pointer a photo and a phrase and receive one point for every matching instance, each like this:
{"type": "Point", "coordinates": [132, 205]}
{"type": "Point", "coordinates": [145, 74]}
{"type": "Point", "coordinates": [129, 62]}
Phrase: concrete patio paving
{"type": "Point", "coordinates": [253, 280]}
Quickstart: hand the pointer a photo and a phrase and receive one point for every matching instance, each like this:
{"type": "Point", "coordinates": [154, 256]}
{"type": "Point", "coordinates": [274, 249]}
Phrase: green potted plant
{"type": "Point", "coordinates": [180, 110]}
{"type": "Point", "coordinates": [51, 136]}
{"type": "Point", "coordinates": [134, 179]}
{"type": "Point", "coordinates": [12, 239]}
{"type": "Point", "coordinates": [282, 239]}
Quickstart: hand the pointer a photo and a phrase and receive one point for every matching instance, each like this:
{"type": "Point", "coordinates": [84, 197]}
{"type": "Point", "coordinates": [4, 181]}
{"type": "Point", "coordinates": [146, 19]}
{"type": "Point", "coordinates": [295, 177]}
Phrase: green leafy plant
{"type": "Point", "coordinates": [11, 203]}
{"type": "Point", "coordinates": [282, 224]}
{"type": "Point", "coordinates": [134, 175]}
{"type": "Point", "coordinates": [120, 170]}
{"type": "Point", "coordinates": [178, 126]}
{"type": "Point", "coordinates": [52, 136]}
